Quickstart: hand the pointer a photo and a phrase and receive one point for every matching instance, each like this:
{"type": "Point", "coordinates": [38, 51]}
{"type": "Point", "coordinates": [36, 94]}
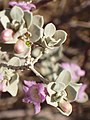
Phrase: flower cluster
{"type": "Point", "coordinates": [25, 40]}
{"type": "Point", "coordinates": [23, 5]}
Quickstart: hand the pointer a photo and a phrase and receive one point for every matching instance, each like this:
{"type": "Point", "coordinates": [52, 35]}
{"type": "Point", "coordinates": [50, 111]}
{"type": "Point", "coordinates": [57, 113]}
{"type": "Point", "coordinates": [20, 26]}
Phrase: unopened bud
{"type": "Point", "coordinates": [65, 106]}
{"type": "Point", "coordinates": [6, 35]}
{"type": "Point", "coordinates": [19, 47]}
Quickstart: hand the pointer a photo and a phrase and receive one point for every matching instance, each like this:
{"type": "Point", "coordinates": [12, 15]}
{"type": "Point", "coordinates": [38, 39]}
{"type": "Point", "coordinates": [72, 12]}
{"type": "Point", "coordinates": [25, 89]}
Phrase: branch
{"type": "Point", "coordinates": [38, 74]}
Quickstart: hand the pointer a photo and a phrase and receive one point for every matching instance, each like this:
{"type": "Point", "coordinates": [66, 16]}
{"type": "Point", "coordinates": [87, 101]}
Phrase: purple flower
{"type": "Point", "coordinates": [74, 69]}
{"type": "Point", "coordinates": [34, 93]}
{"type": "Point", "coordinates": [82, 96]}
{"type": "Point", "coordinates": [23, 5]}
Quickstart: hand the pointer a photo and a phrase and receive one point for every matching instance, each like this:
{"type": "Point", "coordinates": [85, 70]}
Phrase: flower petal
{"type": "Point", "coordinates": [37, 107]}
{"type": "Point", "coordinates": [29, 83]}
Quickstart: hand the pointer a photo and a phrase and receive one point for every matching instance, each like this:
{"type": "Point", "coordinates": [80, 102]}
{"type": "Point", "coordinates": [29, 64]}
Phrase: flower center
{"type": "Point", "coordinates": [34, 94]}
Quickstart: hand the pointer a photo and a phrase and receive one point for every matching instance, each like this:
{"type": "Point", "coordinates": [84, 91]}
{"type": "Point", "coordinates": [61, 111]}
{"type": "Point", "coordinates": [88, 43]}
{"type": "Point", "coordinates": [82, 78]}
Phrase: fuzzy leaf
{"type": "Point", "coordinates": [72, 91]}
{"type": "Point", "coordinates": [36, 33]}
{"type": "Point", "coordinates": [48, 100]}
{"type": "Point", "coordinates": [38, 20]}
{"type": "Point", "coordinates": [59, 87]}
{"type": "Point", "coordinates": [12, 88]}
{"type": "Point", "coordinates": [4, 21]}
{"type": "Point", "coordinates": [14, 61]}
{"type": "Point", "coordinates": [49, 90]}
{"type": "Point", "coordinates": [60, 35]}
{"type": "Point", "coordinates": [50, 30]}
{"type": "Point", "coordinates": [17, 13]}
{"type": "Point", "coordinates": [64, 77]}
{"type": "Point", "coordinates": [28, 18]}
{"type": "Point", "coordinates": [2, 13]}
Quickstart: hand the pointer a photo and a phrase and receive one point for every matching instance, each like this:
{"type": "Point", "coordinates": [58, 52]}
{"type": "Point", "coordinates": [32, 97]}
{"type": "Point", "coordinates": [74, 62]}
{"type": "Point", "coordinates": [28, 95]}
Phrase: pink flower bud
{"type": "Point", "coordinates": [65, 106]}
{"type": "Point", "coordinates": [19, 47]}
{"type": "Point", "coordinates": [3, 87]}
{"type": "Point", "coordinates": [6, 35]}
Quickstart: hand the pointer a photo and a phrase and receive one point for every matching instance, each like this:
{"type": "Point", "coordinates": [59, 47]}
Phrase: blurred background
{"type": "Point", "coordinates": [73, 16]}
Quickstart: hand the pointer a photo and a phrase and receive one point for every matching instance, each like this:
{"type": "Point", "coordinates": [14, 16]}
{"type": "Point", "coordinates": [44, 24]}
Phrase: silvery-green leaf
{"type": "Point", "coordinates": [28, 18]}
{"type": "Point", "coordinates": [36, 33]}
{"type": "Point", "coordinates": [49, 88]}
{"type": "Point", "coordinates": [45, 44]}
{"type": "Point", "coordinates": [4, 21]}
{"type": "Point", "coordinates": [64, 77]}
{"type": "Point", "coordinates": [59, 86]}
{"type": "Point", "coordinates": [50, 30]}
{"type": "Point", "coordinates": [83, 99]}
{"type": "Point", "coordinates": [12, 88]}
{"type": "Point", "coordinates": [38, 20]}
{"type": "Point", "coordinates": [17, 13]}
{"type": "Point", "coordinates": [48, 100]}
{"type": "Point", "coordinates": [60, 35]}
{"type": "Point", "coordinates": [15, 61]}
{"type": "Point", "coordinates": [2, 13]}
{"type": "Point", "coordinates": [72, 91]}
{"type": "Point", "coordinates": [22, 25]}
{"type": "Point", "coordinates": [76, 86]}
{"type": "Point", "coordinates": [54, 43]}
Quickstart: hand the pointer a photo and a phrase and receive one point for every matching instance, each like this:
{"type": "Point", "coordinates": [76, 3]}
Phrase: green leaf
{"type": "Point", "coordinates": [48, 100]}
{"type": "Point", "coordinates": [15, 61]}
{"type": "Point", "coordinates": [36, 33]}
{"type": "Point", "coordinates": [53, 42]}
{"type": "Point", "coordinates": [49, 30]}
{"type": "Point", "coordinates": [17, 13]}
{"type": "Point", "coordinates": [2, 13]}
{"type": "Point", "coordinates": [59, 87]}
{"type": "Point", "coordinates": [4, 21]}
{"type": "Point", "coordinates": [38, 20]}
{"type": "Point", "coordinates": [72, 91]}
{"type": "Point", "coordinates": [12, 88]}
{"type": "Point", "coordinates": [60, 35]}
{"type": "Point", "coordinates": [64, 77]}
{"type": "Point", "coordinates": [49, 89]}
{"type": "Point", "coordinates": [28, 17]}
